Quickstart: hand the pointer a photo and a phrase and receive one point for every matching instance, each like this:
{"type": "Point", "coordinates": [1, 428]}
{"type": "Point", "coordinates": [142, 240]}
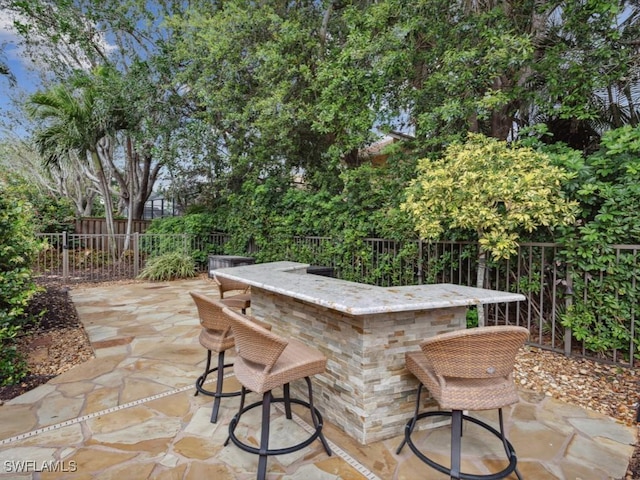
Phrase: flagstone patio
{"type": "Point", "coordinates": [131, 413]}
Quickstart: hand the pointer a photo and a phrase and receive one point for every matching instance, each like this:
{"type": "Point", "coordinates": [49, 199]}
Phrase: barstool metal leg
{"type": "Point", "coordinates": [243, 393]}
{"type": "Point", "coordinates": [287, 400]}
{"type": "Point", "coordinates": [264, 436]}
{"type": "Point", "coordinates": [314, 418]}
{"type": "Point", "coordinates": [206, 372]}
{"type": "Point", "coordinates": [410, 426]}
{"type": "Point", "coordinates": [454, 471]}
{"type": "Point", "coordinates": [456, 430]}
{"type": "Point", "coordinates": [507, 449]}
{"type": "Point", "coordinates": [218, 394]}
{"type": "Point", "coordinates": [263, 449]}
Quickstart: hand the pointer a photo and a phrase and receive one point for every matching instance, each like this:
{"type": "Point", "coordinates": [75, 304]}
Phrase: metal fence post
{"type": "Point", "coordinates": [65, 257]}
{"type": "Point", "coordinates": [420, 271]}
{"type": "Point", "coordinates": [568, 302]}
{"type": "Point", "coordinates": [136, 254]}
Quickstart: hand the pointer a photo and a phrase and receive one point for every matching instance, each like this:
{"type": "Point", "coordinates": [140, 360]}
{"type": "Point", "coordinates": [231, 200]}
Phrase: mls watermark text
{"type": "Point", "coordinates": [26, 466]}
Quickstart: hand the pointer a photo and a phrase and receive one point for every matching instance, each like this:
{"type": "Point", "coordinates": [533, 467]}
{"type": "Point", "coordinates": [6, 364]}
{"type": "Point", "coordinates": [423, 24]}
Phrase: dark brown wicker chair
{"type": "Point", "coordinates": [242, 298]}
{"type": "Point", "coordinates": [467, 370]}
{"type": "Point", "coordinates": [264, 362]}
{"type": "Point", "coordinates": [215, 336]}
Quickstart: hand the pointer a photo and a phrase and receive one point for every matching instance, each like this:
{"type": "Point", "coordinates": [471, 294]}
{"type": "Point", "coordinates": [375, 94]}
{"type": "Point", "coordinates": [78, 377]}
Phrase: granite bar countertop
{"type": "Point", "coordinates": [290, 279]}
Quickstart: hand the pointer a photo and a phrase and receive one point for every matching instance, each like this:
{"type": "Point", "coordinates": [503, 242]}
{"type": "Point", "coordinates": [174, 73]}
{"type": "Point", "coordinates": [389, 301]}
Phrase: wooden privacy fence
{"type": "Point", "coordinates": [535, 271]}
{"type": "Point", "coordinates": [98, 226]}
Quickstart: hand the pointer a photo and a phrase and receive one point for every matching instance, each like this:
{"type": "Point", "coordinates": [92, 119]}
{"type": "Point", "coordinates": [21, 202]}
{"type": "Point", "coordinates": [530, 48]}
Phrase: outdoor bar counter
{"type": "Point", "coordinates": [364, 331]}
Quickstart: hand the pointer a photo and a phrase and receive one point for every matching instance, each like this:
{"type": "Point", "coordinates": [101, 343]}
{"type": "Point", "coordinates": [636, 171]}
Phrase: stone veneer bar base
{"type": "Point", "coordinates": [366, 390]}
{"type": "Point", "coordinates": [364, 330]}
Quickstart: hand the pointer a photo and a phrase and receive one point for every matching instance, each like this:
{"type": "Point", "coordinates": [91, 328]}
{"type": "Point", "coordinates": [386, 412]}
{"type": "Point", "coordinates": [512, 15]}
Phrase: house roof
{"type": "Point", "coordinates": [377, 147]}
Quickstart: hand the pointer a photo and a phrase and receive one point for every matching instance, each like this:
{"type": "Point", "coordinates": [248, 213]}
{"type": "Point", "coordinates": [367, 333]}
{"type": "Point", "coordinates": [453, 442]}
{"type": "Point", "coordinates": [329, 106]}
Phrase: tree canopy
{"type": "Point", "coordinates": [492, 189]}
{"type": "Point", "coordinates": [217, 93]}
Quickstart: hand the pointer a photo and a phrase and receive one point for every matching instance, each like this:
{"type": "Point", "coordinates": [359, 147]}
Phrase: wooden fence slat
{"type": "Point", "coordinates": [98, 226]}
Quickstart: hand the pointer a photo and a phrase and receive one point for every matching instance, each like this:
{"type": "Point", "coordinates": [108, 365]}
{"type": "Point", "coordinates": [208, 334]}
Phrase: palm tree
{"type": "Point", "coordinates": [74, 127]}
{"type": "Point", "coordinates": [92, 116]}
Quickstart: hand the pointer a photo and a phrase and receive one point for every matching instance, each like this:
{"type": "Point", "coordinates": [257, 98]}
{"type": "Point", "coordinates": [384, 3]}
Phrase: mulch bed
{"type": "Point", "coordinates": [53, 344]}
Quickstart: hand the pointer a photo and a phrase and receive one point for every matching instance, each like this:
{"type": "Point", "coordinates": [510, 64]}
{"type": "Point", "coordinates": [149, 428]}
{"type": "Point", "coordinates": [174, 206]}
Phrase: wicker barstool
{"type": "Point", "coordinates": [241, 300]}
{"type": "Point", "coordinates": [467, 370]}
{"type": "Point", "coordinates": [264, 362]}
{"type": "Point", "coordinates": [215, 336]}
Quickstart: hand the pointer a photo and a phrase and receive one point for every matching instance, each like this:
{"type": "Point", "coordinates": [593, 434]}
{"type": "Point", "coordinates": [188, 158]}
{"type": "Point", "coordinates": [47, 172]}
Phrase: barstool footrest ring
{"type": "Point", "coordinates": [513, 460]}
{"type": "Point", "coordinates": [200, 381]}
{"type": "Point", "coordinates": [274, 451]}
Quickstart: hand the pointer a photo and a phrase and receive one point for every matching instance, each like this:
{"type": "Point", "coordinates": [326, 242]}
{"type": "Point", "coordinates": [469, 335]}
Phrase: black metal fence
{"type": "Point", "coordinates": [535, 271]}
{"type": "Point", "coordinates": [75, 258]}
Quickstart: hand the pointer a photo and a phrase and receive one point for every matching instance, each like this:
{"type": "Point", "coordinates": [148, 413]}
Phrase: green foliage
{"type": "Point", "coordinates": [472, 317]}
{"type": "Point", "coordinates": [170, 266]}
{"type": "Point", "coordinates": [196, 228]}
{"type": "Point", "coordinates": [253, 73]}
{"type": "Point", "coordinates": [457, 68]}
{"type": "Point", "coordinates": [226, 92]}
{"type": "Point", "coordinates": [488, 187]}
{"type": "Point", "coordinates": [605, 281]}
{"type": "Point", "coordinates": [239, 97]}
{"type": "Point", "coordinates": [17, 250]}
{"type": "Point", "coordinates": [604, 321]}
{"type": "Point", "coordinates": [268, 216]}
{"type": "Point", "coordinates": [200, 224]}
{"type": "Point", "coordinates": [13, 367]}
{"type": "Point", "coordinates": [50, 214]}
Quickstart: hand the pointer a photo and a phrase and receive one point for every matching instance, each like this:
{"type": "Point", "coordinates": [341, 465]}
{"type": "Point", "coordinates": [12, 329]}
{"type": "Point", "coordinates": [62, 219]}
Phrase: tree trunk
{"type": "Point", "coordinates": [131, 174]}
{"type": "Point", "coordinates": [135, 181]}
{"type": "Point", "coordinates": [98, 156]}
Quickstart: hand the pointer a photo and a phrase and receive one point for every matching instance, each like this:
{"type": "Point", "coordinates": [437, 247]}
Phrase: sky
{"type": "Point", "coordinates": [27, 79]}
{"type": "Point", "coordinates": [26, 72]}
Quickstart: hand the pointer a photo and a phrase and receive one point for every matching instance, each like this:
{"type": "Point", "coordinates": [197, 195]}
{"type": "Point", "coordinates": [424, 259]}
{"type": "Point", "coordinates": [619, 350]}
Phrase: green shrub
{"type": "Point", "coordinates": [162, 236]}
{"type": "Point", "coordinates": [472, 317]}
{"type": "Point", "coordinates": [50, 213]}
{"type": "Point", "coordinates": [18, 248]}
{"type": "Point", "coordinates": [13, 367]}
{"type": "Point", "coordinates": [605, 282]}
{"type": "Point", "coordinates": [169, 266]}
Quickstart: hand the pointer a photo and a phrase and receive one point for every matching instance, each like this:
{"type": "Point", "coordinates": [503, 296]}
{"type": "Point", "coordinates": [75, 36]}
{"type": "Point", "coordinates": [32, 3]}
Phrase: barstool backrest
{"type": "Point", "coordinates": [227, 285]}
{"type": "Point", "coordinates": [255, 344]}
{"type": "Point", "coordinates": [210, 314]}
{"type": "Point", "coordinates": [483, 352]}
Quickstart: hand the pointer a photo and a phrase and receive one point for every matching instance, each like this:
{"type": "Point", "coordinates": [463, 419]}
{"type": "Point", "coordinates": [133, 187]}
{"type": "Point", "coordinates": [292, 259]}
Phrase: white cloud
{"type": "Point", "coordinates": [6, 24]}
{"type": "Point", "coordinates": [9, 39]}
{"type": "Point", "coordinates": [13, 50]}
